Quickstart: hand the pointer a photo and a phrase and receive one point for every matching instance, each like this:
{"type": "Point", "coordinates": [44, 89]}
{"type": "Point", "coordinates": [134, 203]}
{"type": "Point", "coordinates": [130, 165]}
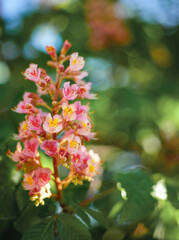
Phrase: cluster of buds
{"type": "Point", "coordinates": [60, 132]}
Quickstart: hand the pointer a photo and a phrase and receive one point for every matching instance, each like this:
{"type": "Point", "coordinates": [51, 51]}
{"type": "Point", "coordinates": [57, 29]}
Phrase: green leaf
{"type": "Point", "coordinates": [49, 209]}
{"type": "Point", "coordinates": [74, 194]}
{"type": "Point", "coordinates": [22, 198]}
{"type": "Point", "coordinates": [7, 202]}
{"type": "Point", "coordinates": [71, 228]}
{"type": "Point", "coordinates": [139, 203]}
{"type": "Point", "coordinates": [27, 217]}
{"type": "Point", "coordinates": [172, 192]}
{"type": "Point", "coordinates": [80, 211]}
{"type": "Point", "coordinates": [44, 230]}
{"type": "Point", "coordinates": [100, 218]}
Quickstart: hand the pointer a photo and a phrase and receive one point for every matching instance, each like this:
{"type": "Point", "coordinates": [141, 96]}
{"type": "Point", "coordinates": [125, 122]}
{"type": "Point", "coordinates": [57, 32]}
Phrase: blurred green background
{"type": "Point", "coordinates": [132, 53]}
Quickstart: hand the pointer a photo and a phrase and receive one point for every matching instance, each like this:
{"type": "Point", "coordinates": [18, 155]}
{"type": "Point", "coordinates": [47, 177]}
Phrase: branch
{"type": "Point", "coordinates": [103, 194]}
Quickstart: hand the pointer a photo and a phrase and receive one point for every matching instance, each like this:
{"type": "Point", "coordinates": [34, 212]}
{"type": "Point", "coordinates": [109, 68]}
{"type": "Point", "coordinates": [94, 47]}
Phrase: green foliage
{"type": "Point", "coordinates": [75, 193]}
{"type": "Point", "coordinates": [172, 192]}
{"type": "Point", "coordinates": [80, 211]}
{"type": "Point", "coordinates": [70, 227]}
{"type": "Point", "coordinates": [84, 214]}
{"type": "Point", "coordinates": [100, 218]}
{"type": "Point", "coordinates": [7, 189]}
{"type": "Point", "coordinates": [43, 230]}
{"type": "Point", "coordinates": [138, 186]}
{"type": "Point", "coordinates": [27, 217]}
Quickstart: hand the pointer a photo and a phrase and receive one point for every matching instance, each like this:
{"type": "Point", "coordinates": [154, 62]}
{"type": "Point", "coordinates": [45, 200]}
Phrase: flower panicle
{"type": "Point", "coordinates": [60, 131]}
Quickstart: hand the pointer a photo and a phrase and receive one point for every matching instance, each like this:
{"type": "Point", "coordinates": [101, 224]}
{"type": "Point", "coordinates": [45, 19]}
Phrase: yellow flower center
{"type": "Point", "coordinates": [30, 180]}
{"type": "Point", "coordinates": [53, 123]}
{"type": "Point", "coordinates": [74, 144]}
{"type": "Point", "coordinates": [91, 168]}
{"type": "Point", "coordinates": [25, 126]}
{"type": "Point", "coordinates": [74, 61]}
{"type": "Point", "coordinates": [84, 124]}
{"type": "Point", "coordinates": [68, 111]}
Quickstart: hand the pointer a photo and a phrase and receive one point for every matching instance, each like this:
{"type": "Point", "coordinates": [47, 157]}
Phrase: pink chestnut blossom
{"type": "Point", "coordinates": [80, 160]}
{"type": "Point", "coordinates": [24, 132]}
{"type": "Point", "coordinates": [31, 147]}
{"type": "Point", "coordinates": [69, 111]}
{"type": "Point", "coordinates": [84, 92]}
{"type": "Point", "coordinates": [50, 147]}
{"type": "Point", "coordinates": [18, 155]}
{"type": "Point", "coordinates": [70, 92]}
{"type": "Point", "coordinates": [76, 63]}
{"type": "Point", "coordinates": [33, 98]}
{"type": "Point", "coordinates": [53, 125]}
{"type": "Point", "coordinates": [85, 130]}
{"type": "Point", "coordinates": [24, 107]}
{"type": "Point", "coordinates": [86, 163]}
{"type": "Point", "coordinates": [36, 179]}
{"type": "Point", "coordinates": [42, 176]}
{"type": "Point", "coordinates": [32, 73]}
{"type": "Point", "coordinates": [74, 143]}
{"type": "Point", "coordinates": [29, 183]}
{"type": "Point", "coordinates": [60, 133]}
{"type": "Point", "coordinates": [81, 111]}
{"type": "Point", "coordinates": [34, 122]}
{"type": "Point", "coordinates": [94, 165]}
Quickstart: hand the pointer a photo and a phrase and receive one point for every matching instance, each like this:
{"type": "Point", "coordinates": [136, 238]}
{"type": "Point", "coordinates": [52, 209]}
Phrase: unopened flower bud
{"type": "Point", "coordinates": [61, 67]}
{"type": "Point", "coordinates": [33, 198]}
{"type": "Point", "coordinates": [48, 79]}
{"type": "Point", "coordinates": [66, 47]}
{"type": "Point", "coordinates": [37, 203]}
{"type": "Point", "coordinates": [52, 52]}
{"type": "Point", "coordinates": [54, 103]}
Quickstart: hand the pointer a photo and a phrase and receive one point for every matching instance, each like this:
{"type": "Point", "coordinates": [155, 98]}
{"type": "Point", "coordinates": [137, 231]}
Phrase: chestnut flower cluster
{"type": "Point", "coordinates": [60, 131]}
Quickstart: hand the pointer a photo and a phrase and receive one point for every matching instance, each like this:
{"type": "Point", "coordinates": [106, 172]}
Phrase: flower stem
{"type": "Point", "coordinates": [103, 194]}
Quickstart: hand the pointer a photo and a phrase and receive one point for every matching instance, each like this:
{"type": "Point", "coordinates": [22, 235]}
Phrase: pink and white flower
{"type": "Point", "coordinates": [18, 156]}
{"type": "Point", "coordinates": [76, 62]}
{"type": "Point", "coordinates": [84, 92]}
{"type": "Point", "coordinates": [80, 160]}
{"type": "Point", "coordinates": [43, 176]}
{"type": "Point", "coordinates": [30, 147]}
{"type": "Point", "coordinates": [70, 92]}
{"type": "Point", "coordinates": [69, 111]}
{"type": "Point", "coordinates": [94, 165]}
{"type": "Point", "coordinates": [53, 125]}
{"type": "Point", "coordinates": [24, 107]}
{"type": "Point", "coordinates": [32, 73]}
{"type": "Point", "coordinates": [24, 131]}
{"type": "Point", "coordinates": [33, 98]}
{"type": "Point", "coordinates": [50, 147]}
{"type": "Point", "coordinates": [35, 180]}
{"type": "Point", "coordinates": [29, 182]}
{"type": "Point", "coordinates": [74, 143]}
{"type": "Point", "coordinates": [34, 122]}
{"type": "Point", "coordinates": [87, 164]}
{"type": "Point", "coordinates": [81, 111]}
